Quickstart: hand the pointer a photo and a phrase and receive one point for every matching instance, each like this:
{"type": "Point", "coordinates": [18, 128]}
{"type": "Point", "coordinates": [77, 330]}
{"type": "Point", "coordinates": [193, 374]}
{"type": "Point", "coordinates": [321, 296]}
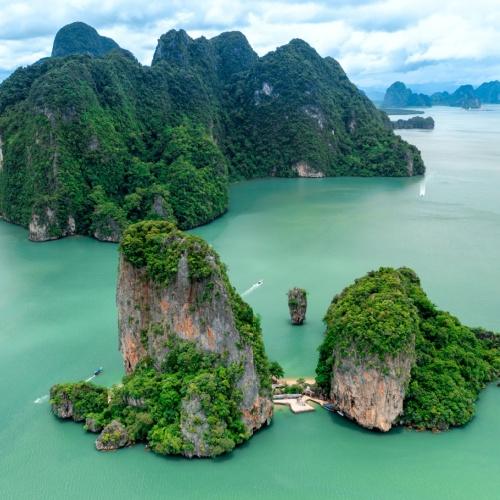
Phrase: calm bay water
{"type": "Point", "coordinates": [58, 322]}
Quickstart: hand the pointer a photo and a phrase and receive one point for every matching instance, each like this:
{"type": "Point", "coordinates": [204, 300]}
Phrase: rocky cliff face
{"type": "Point", "coordinates": [112, 437]}
{"type": "Point", "coordinates": [390, 356]}
{"type": "Point", "coordinates": [44, 226]}
{"type": "Point", "coordinates": [369, 349]}
{"type": "Point", "coordinates": [367, 393]}
{"type": "Point", "coordinates": [198, 380]}
{"type": "Point", "coordinates": [303, 169]}
{"type": "Point", "coordinates": [200, 311]}
{"type": "Point", "coordinates": [109, 230]}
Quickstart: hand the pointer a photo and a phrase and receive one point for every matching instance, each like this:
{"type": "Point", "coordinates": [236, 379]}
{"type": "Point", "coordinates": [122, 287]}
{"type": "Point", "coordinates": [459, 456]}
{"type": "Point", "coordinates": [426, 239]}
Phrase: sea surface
{"type": "Point", "coordinates": [58, 323]}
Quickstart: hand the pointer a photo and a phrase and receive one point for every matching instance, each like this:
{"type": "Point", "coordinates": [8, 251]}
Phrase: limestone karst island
{"type": "Point", "coordinates": [249, 250]}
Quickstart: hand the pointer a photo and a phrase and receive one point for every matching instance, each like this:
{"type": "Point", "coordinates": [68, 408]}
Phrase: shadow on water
{"type": "Point", "coordinates": [350, 426]}
{"type": "Point", "coordinates": [258, 195]}
{"type": "Point", "coordinates": [227, 457]}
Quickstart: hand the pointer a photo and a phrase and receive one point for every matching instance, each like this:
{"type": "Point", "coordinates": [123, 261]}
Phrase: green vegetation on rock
{"type": "Point", "coordinates": [201, 382]}
{"type": "Point", "coordinates": [157, 246]}
{"type": "Point", "coordinates": [87, 133]}
{"type": "Point", "coordinates": [156, 407]}
{"type": "Point", "coordinates": [414, 122]}
{"type": "Point", "coordinates": [452, 366]}
{"type": "Point", "coordinates": [276, 370]}
{"type": "Point", "coordinates": [386, 313]}
{"type": "Point", "coordinates": [80, 38]}
{"type": "Point", "coordinates": [77, 401]}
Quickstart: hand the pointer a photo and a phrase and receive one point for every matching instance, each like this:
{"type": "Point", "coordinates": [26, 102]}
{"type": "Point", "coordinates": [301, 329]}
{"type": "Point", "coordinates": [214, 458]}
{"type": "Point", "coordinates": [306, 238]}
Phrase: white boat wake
{"type": "Point", "coordinates": [252, 288]}
{"type": "Point", "coordinates": [422, 189]}
{"type": "Point", "coordinates": [43, 399]}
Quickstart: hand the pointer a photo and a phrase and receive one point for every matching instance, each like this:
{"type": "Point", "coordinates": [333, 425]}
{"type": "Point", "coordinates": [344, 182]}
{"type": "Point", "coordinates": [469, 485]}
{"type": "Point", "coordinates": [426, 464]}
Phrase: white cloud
{"type": "Point", "coordinates": [374, 40]}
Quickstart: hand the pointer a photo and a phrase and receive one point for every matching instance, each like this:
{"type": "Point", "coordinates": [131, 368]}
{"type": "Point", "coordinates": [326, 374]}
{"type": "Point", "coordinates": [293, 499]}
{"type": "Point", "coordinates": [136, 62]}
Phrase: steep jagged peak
{"type": "Point", "coordinates": [233, 53]}
{"type": "Point", "coordinates": [173, 45]}
{"type": "Point", "coordinates": [335, 65]}
{"type": "Point", "coordinates": [399, 95]}
{"type": "Point", "coordinates": [176, 48]}
{"type": "Point", "coordinates": [489, 92]}
{"type": "Point", "coordinates": [298, 48]}
{"type": "Point", "coordinates": [465, 97]}
{"type": "Point", "coordinates": [227, 53]}
{"type": "Point", "coordinates": [80, 38]}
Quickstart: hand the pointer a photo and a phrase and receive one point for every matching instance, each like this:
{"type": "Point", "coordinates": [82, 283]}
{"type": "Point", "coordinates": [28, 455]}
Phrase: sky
{"type": "Point", "coordinates": [428, 44]}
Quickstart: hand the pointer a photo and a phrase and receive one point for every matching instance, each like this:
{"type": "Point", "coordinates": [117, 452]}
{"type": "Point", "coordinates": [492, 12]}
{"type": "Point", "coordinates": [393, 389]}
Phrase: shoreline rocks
{"type": "Point", "coordinates": [45, 226]}
{"type": "Point", "coordinates": [112, 437]}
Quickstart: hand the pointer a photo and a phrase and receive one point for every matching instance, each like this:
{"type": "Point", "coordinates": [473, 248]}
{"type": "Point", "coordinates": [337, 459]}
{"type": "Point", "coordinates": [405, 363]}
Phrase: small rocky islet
{"type": "Point", "coordinates": [415, 122]}
{"type": "Point", "coordinates": [297, 305]}
{"type": "Point", "coordinates": [198, 381]}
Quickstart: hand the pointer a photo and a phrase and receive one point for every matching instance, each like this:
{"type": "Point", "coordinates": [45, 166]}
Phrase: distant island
{"type": "Point", "coordinates": [402, 111]}
{"type": "Point", "coordinates": [414, 122]}
{"type": "Point", "coordinates": [465, 96]}
{"type": "Point", "coordinates": [92, 141]}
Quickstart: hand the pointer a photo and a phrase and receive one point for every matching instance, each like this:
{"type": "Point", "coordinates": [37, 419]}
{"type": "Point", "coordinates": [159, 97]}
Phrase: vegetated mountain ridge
{"type": "Point", "coordinates": [92, 141]}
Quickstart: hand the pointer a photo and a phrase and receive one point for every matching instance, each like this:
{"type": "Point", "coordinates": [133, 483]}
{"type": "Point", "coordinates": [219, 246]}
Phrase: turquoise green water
{"type": "Point", "coordinates": [58, 322]}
